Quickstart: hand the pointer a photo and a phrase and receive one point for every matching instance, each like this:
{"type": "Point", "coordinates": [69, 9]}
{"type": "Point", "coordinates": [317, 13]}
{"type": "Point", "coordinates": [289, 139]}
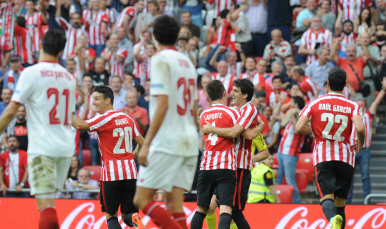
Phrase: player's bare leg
{"type": "Point", "coordinates": [143, 199]}
{"type": "Point", "coordinates": [211, 219]}
{"type": "Point", "coordinates": [48, 216]}
{"type": "Point", "coordinates": [174, 205]}
{"type": "Point", "coordinates": [330, 211]}
{"type": "Point", "coordinates": [112, 221]}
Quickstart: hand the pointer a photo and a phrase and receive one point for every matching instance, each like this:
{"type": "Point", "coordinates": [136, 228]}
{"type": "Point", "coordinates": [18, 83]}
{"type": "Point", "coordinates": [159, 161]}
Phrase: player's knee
{"type": "Point", "coordinates": [137, 201]}
{"type": "Point", "coordinates": [173, 206]}
{"type": "Point", "coordinates": [225, 209]}
{"type": "Point", "coordinates": [339, 202]}
{"type": "Point", "coordinates": [203, 211]}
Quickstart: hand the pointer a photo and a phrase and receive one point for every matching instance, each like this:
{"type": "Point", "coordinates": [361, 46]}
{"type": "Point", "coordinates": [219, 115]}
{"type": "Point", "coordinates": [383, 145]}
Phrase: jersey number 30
{"type": "Point", "coordinates": [331, 119]}
{"type": "Point", "coordinates": [126, 134]}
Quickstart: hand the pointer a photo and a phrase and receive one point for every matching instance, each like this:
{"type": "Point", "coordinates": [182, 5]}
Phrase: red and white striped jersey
{"type": "Point", "coordinates": [116, 131]}
{"type": "Point", "coordinates": [271, 99]}
{"type": "Point", "coordinates": [94, 26]}
{"type": "Point", "coordinates": [348, 8]}
{"type": "Point", "coordinates": [11, 78]}
{"type": "Point", "coordinates": [235, 69]}
{"type": "Point", "coordinates": [130, 12]}
{"type": "Point", "coordinates": [347, 40]}
{"type": "Point", "coordinates": [23, 45]}
{"type": "Point", "coordinates": [220, 5]}
{"type": "Point", "coordinates": [291, 142]}
{"type": "Point", "coordinates": [310, 39]}
{"type": "Point", "coordinates": [226, 80]}
{"type": "Point", "coordinates": [89, 114]}
{"type": "Point", "coordinates": [219, 152]}
{"type": "Point", "coordinates": [143, 69]}
{"type": "Point", "coordinates": [331, 122]}
{"type": "Point", "coordinates": [117, 68]}
{"type": "Point", "coordinates": [248, 119]}
{"type": "Point", "coordinates": [141, 52]}
{"type": "Point", "coordinates": [226, 36]}
{"type": "Point", "coordinates": [308, 87]}
{"type": "Point", "coordinates": [88, 51]}
{"type": "Point", "coordinates": [111, 17]}
{"type": "Point", "coordinates": [367, 121]}
{"type": "Point", "coordinates": [72, 35]}
{"type": "Point", "coordinates": [257, 79]}
{"type": "Point", "coordinates": [33, 24]}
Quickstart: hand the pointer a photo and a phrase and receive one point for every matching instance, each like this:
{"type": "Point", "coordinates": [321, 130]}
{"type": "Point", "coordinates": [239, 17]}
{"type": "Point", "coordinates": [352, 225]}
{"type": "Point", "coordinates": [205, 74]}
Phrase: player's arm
{"type": "Point", "coordinates": [301, 126]}
{"type": "Point", "coordinates": [139, 139]}
{"type": "Point", "coordinates": [233, 132]}
{"type": "Point", "coordinates": [5, 137]}
{"type": "Point", "coordinates": [80, 124]}
{"type": "Point", "coordinates": [360, 128]}
{"type": "Point", "coordinates": [8, 115]}
{"type": "Point", "coordinates": [272, 189]}
{"type": "Point", "coordinates": [264, 154]}
{"type": "Point", "coordinates": [3, 187]}
{"type": "Point", "coordinates": [374, 106]}
{"type": "Point", "coordinates": [251, 134]}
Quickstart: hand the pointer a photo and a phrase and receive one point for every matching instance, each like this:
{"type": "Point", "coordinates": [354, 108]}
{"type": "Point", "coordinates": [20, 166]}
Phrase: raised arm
{"type": "Point", "coordinates": [213, 61]}
{"type": "Point", "coordinates": [374, 106]}
{"type": "Point", "coordinates": [338, 22]}
{"type": "Point", "coordinates": [334, 50]}
{"type": "Point", "coordinates": [301, 126]}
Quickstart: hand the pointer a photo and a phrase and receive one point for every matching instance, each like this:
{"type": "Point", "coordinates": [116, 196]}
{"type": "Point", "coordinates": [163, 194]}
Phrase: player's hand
{"type": "Point", "coordinates": [74, 184]}
{"type": "Point", "coordinates": [282, 98]}
{"type": "Point", "coordinates": [18, 188]}
{"type": "Point", "coordinates": [206, 129]}
{"type": "Point", "coordinates": [221, 49]}
{"type": "Point", "coordinates": [278, 200]}
{"type": "Point", "coordinates": [142, 158]}
{"type": "Point", "coordinates": [3, 188]}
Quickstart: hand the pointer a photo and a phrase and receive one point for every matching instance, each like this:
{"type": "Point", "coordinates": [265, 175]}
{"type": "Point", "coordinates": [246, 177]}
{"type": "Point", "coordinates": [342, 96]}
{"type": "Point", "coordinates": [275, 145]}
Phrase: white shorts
{"type": "Point", "coordinates": [47, 174]}
{"type": "Point", "coordinates": [166, 171]}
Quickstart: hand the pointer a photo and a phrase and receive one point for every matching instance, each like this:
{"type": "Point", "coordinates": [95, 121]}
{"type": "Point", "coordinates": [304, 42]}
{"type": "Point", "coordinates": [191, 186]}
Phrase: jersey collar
{"type": "Point", "coordinates": [333, 93]}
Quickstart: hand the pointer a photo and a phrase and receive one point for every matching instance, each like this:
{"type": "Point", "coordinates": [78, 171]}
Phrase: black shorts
{"type": "Point", "coordinates": [333, 177]}
{"type": "Point", "coordinates": [243, 182]}
{"type": "Point", "coordinates": [118, 193]}
{"type": "Point", "coordinates": [222, 179]}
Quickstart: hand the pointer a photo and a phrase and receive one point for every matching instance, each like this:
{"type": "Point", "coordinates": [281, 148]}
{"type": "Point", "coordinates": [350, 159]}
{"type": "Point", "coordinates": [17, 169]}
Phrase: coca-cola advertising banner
{"type": "Point", "coordinates": [79, 214]}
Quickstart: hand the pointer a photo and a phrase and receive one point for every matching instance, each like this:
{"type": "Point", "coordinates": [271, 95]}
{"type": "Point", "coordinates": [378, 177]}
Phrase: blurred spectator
{"type": "Point", "coordinates": [307, 86]}
{"type": "Point", "coordinates": [119, 94]}
{"type": "Point", "coordinates": [259, 101]}
{"type": "Point", "coordinates": [19, 8]}
{"type": "Point", "coordinates": [203, 99]}
{"type": "Point", "coordinates": [144, 60]}
{"type": "Point", "coordinates": [88, 55]}
{"type": "Point", "coordinates": [99, 74]}
{"type": "Point", "coordinates": [6, 95]}
{"type": "Point", "coordinates": [327, 15]}
{"type": "Point", "coordinates": [23, 42]}
{"type": "Point", "coordinates": [75, 166]}
{"type": "Point", "coordinates": [110, 12]}
{"type": "Point", "coordinates": [143, 100]}
{"type": "Point", "coordinates": [274, 125]}
{"type": "Point", "coordinates": [382, 62]}
{"type": "Point", "coordinates": [380, 34]}
{"type": "Point", "coordinates": [318, 70]}
{"type": "Point", "coordinates": [349, 32]}
{"type": "Point", "coordinates": [183, 47]}
{"type": "Point", "coordinates": [194, 7]}
{"type": "Point", "coordinates": [277, 49]}
{"type": "Point", "coordinates": [314, 38]}
{"type": "Point", "coordinates": [186, 19]}
{"type": "Point", "coordinates": [96, 22]}
{"type": "Point", "coordinates": [262, 189]}
{"type": "Point", "coordinates": [13, 169]}
{"type": "Point", "coordinates": [153, 9]}
{"type": "Point", "coordinates": [11, 78]}
{"type": "Point", "coordinates": [115, 55]}
{"type": "Point", "coordinates": [83, 183]}
{"type": "Point", "coordinates": [279, 17]}
{"type": "Point", "coordinates": [128, 83]}
{"type": "Point", "coordinates": [71, 68]}
{"type": "Point", "coordinates": [193, 47]}
{"type": "Point", "coordinates": [285, 75]}
{"type": "Point", "coordinates": [17, 128]}
{"type": "Point", "coordinates": [351, 8]}
{"type": "Point", "coordinates": [145, 38]}
{"type": "Point", "coordinates": [126, 44]}
{"type": "Point", "coordinates": [256, 77]}
{"type": "Point", "coordinates": [212, 36]}
{"type": "Point", "coordinates": [365, 23]}
{"type": "Point", "coordinates": [234, 67]}
{"type": "Point", "coordinates": [290, 146]}
{"type": "Point", "coordinates": [128, 16]}
{"type": "Point", "coordinates": [83, 111]}
{"type": "Point", "coordinates": [380, 12]}
{"type": "Point", "coordinates": [304, 20]}
{"type": "Point", "coordinates": [140, 89]}
{"type": "Point", "coordinates": [258, 9]}
{"type": "Point", "coordinates": [51, 7]}
{"type": "Point", "coordinates": [273, 97]}
{"type": "Point", "coordinates": [225, 77]}
{"type": "Point", "coordinates": [76, 7]}
{"type": "Point", "coordinates": [162, 10]}
{"type": "Point", "coordinates": [137, 113]}
{"type": "Point", "coordinates": [220, 5]}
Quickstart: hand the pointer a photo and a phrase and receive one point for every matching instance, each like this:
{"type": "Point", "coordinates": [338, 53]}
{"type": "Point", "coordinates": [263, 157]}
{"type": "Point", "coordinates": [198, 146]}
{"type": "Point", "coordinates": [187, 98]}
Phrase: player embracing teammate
{"type": "Point", "coordinates": [332, 118]}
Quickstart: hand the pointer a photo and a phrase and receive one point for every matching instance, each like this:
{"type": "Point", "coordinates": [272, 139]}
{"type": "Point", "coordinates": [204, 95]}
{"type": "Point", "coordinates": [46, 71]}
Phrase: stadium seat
{"type": "Point", "coordinates": [258, 58]}
{"type": "Point", "coordinates": [285, 193]}
{"type": "Point", "coordinates": [95, 172]}
{"type": "Point", "coordinates": [301, 180]}
{"type": "Point", "coordinates": [305, 162]}
{"type": "Point", "coordinates": [86, 157]}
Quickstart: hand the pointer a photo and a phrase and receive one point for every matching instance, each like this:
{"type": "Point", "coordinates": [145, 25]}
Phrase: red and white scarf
{"type": "Point", "coordinates": [6, 13]}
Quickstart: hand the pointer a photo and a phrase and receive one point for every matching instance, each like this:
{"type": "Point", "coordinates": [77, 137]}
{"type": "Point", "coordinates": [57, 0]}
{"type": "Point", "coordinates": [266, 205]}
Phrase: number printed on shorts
{"type": "Point", "coordinates": [331, 119]}
{"type": "Point", "coordinates": [123, 134]}
{"type": "Point", "coordinates": [213, 137]}
{"type": "Point", "coordinates": [53, 113]}
{"type": "Point", "coordinates": [187, 95]}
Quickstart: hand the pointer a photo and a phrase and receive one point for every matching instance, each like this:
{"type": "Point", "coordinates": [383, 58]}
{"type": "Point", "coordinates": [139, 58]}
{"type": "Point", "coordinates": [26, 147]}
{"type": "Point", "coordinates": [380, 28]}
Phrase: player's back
{"type": "Point", "coordinates": [116, 132]}
{"type": "Point", "coordinates": [48, 91]}
{"type": "Point", "coordinates": [218, 152]}
{"type": "Point", "coordinates": [174, 75]}
{"type": "Point", "coordinates": [331, 122]}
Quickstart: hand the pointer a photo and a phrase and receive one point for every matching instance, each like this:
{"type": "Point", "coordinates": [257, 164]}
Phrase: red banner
{"type": "Point", "coordinates": [79, 214]}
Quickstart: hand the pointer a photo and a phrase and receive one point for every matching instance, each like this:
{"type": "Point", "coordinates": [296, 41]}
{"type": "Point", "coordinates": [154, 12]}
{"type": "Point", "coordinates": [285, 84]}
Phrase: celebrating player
{"type": "Point", "coordinates": [332, 117]}
{"type": "Point", "coordinates": [48, 92]}
{"type": "Point", "coordinates": [242, 93]}
{"type": "Point", "coordinates": [168, 156]}
{"type": "Point", "coordinates": [115, 131]}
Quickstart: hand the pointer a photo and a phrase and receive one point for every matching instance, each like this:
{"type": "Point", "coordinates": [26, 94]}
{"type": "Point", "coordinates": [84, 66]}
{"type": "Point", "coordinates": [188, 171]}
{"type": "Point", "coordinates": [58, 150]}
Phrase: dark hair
{"type": "Point", "coordinates": [106, 91]}
{"type": "Point", "coordinates": [348, 21]}
{"type": "Point", "coordinates": [20, 21]}
{"type": "Point", "coordinates": [368, 20]}
{"type": "Point", "coordinates": [290, 56]}
{"type": "Point", "coordinates": [215, 90]}
{"type": "Point", "coordinates": [277, 77]}
{"type": "Point", "coordinates": [294, 85]}
{"type": "Point", "coordinates": [236, 6]}
{"type": "Point", "coordinates": [54, 42]}
{"type": "Point", "coordinates": [155, 3]}
{"type": "Point", "coordinates": [87, 75]}
{"type": "Point", "coordinates": [246, 87]}
{"type": "Point", "coordinates": [300, 71]}
{"type": "Point", "coordinates": [116, 76]}
{"type": "Point", "coordinates": [140, 89]}
{"type": "Point", "coordinates": [380, 22]}
{"type": "Point", "coordinates": [70, 59]}
{"type": "Point", "coordinates": [165, 30]}
{"type": "Point", "coordinates": [337, 78]}
{"type": "Point", "coordinates": [224, 13]}
{"type": "Point", "coordinates": [186, 12]}
{"type": "Point", "coordinates": [12, 136]}
{"type": "Point", "coordinates": [77, 170]}
{"type": "Point", "coordinates": [260, 94]}
{"type": "Point", "coordinates": [251, 57]}
{"type": "Point", "coordinates": [299, 101]}
{"type": "Point", "coordinates": [146, 32]}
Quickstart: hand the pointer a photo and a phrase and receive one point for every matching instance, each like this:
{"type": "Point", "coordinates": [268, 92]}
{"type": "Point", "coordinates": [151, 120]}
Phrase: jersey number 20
{"type": "Point", "coordinates": [123, 134]}
{"type": "Point", "coordinates": [331, 119]}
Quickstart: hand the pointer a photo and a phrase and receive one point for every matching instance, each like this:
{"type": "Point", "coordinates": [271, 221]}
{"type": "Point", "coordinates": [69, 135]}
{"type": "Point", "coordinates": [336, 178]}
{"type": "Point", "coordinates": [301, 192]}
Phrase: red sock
{"type": "Point", "coordinates": [48, 219]}
{"type": "Point", "coordinates": [181, 219]}
{"type": "Point", "coordinates": [160, 216]}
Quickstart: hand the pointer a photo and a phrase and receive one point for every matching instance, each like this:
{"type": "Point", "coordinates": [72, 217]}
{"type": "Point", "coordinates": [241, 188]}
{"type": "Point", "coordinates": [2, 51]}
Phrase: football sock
{"type": "Point", "coordinates": [180, 218]}
{"type": "Point", "coordinates": [129, 220]}
{"type": "Point", "coordinates": [225, 221]}
{"type": "Point", "coordinates": [112, 223]}
{"type": "Point", "coordinates": [48, 218]}
{"type": "Point", "coordinates": [211, 221]}
{"type": "Point", "coordinates": [160, 216]}
{"type": "Point", "coordinates": [198, 220]}
{"type": "Point", "coordinates": [233, 226]}
{"type": "Point", "coordinates": [340, 211]}
{"type": "Point", "coordinates": [240, 220]}
{"type": "Point", "coordinates": [329, 208]}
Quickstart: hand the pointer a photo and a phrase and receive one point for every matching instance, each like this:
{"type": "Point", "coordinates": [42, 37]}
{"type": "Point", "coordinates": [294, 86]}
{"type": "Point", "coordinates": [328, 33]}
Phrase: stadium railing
{"type": "Point", "coordinates": [368, 197]}
{"type": "Point", "coordinates": [89, 191]}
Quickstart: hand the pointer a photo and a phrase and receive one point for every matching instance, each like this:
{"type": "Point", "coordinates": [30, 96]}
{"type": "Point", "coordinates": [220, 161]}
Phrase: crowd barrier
{"type": "Point", "coordinates": [78, 214]}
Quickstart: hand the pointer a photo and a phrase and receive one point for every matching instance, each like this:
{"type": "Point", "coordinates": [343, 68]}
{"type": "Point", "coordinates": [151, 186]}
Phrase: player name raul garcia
{"type": "Point", "coordinates": [327, 106]}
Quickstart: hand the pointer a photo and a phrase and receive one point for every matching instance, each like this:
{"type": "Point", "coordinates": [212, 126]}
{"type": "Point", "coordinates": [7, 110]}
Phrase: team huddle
{"type": "Point", "coordinates": [168, 153]}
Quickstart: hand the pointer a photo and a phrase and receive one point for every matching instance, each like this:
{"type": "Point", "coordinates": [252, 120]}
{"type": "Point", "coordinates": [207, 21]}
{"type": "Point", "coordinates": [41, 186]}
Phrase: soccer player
{"type": "Point", "coordinates": [242, 94]}
{"type": "Point", "coordinates": [115, 131]}
{"type": "Point", "coordinates": [48, 92]}
{"type": "Point", "coordinates": [332, 117]}
{"type": "Point", "coordinates": [168, 156]}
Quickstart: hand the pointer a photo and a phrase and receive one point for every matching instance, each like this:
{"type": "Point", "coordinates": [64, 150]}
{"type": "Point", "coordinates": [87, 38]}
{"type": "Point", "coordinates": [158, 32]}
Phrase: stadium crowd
{"type": "Point", "coordinates": [285, 47]}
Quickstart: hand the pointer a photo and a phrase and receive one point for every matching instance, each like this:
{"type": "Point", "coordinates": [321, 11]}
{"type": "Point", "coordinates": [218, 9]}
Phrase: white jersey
{"type": "Point", "coordinates": [174, 75]}
{"type": "Point", "coordinates": [48, 92]}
